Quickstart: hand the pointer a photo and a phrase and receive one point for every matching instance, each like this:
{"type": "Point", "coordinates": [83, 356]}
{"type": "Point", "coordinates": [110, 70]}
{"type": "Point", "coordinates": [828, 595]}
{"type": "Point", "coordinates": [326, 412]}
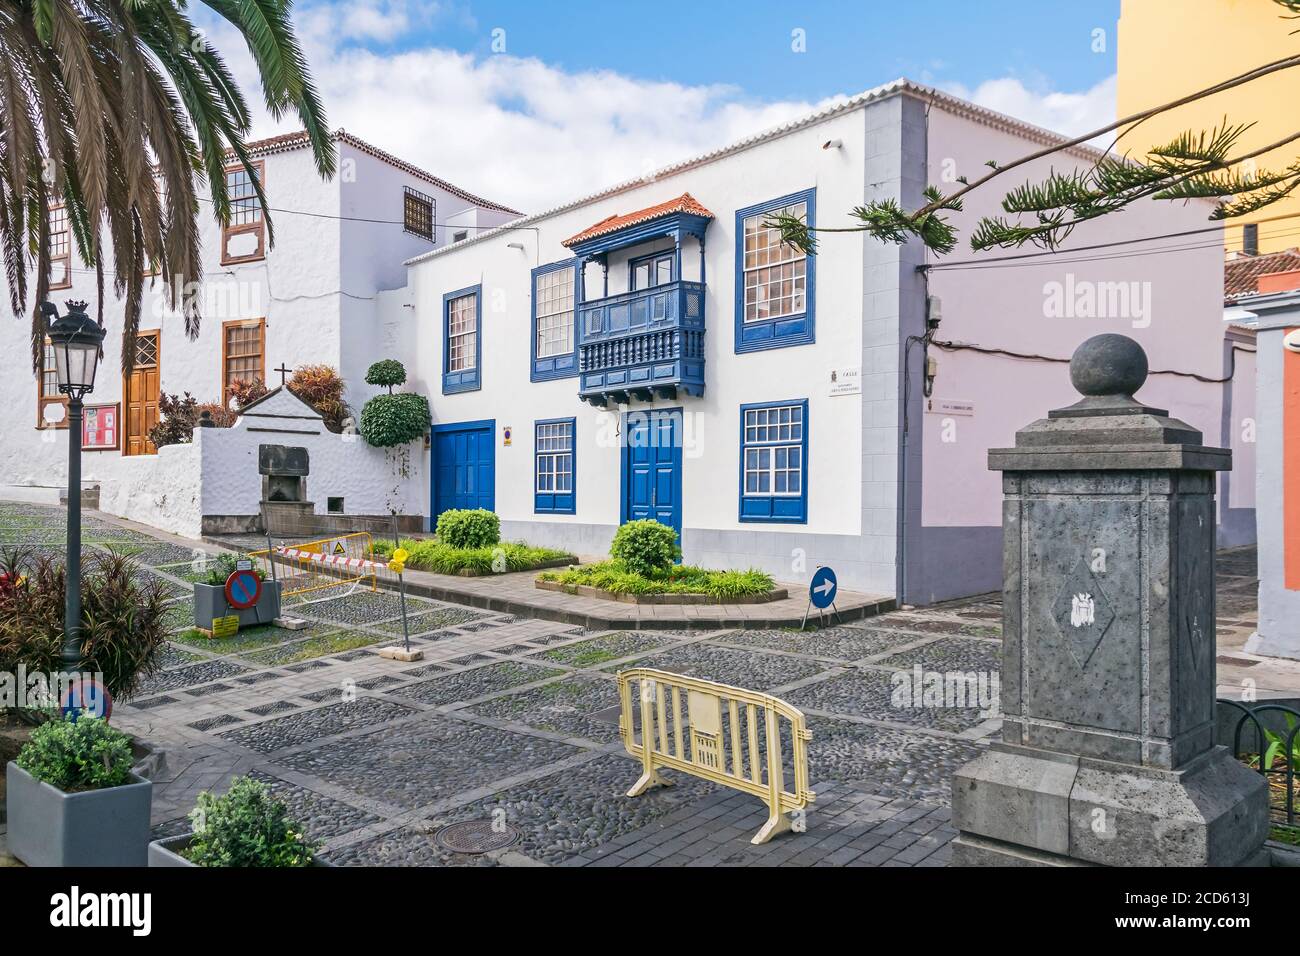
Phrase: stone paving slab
{"type": "Point", "coordinates": [512, 717]}
{"type": "Point", "coordinates": [428, 760]}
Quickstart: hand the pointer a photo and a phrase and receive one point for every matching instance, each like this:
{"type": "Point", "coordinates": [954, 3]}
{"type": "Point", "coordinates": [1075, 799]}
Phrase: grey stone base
{"type": "Point", "coordinates": [1280, 643]}
{"type": "Point", "coordinates": [970, 850]}
{"type": "Point", "coordinates": [1030, 806]}
{"type": "Point", "coordinates": [322, 523]}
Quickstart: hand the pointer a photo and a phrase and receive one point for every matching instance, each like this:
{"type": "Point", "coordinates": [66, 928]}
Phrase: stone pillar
{"type": "Point", "coordinates": [1108, 671]}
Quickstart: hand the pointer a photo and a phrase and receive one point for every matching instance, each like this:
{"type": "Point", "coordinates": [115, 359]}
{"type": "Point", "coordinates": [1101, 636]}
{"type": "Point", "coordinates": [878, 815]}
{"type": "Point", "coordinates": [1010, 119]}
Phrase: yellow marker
{"type": "Point", "coordinates": [396, 566]}
{"type": "Point", "coordinates": [400, 555]}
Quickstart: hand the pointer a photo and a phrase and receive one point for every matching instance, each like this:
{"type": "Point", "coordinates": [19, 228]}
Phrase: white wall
{"type": "Point", "coordinates": [711, 457]}
{"type": "Point", "coordinates": [316, 289]}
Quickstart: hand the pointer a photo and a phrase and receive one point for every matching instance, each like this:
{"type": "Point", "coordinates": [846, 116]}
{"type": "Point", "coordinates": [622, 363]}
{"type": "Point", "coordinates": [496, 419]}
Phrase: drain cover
{"type": "Point", "coordinates": [477, 836]}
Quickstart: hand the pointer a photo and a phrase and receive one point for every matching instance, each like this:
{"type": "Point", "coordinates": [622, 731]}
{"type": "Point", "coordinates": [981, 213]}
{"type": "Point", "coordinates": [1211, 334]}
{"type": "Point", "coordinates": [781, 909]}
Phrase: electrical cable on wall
{"type": "Point", "coordinates": [1035, 357]}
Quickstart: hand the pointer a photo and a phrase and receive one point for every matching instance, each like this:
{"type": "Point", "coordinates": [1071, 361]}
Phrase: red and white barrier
{"type": "Point", "coordinates": [334, 560]}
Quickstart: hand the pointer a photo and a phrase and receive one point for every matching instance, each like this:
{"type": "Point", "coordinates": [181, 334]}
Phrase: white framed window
{"type": "Point", "coordinates": [554, 453]}
{"type": "Point", "coordinates": [553, 301]}
{"type": "Point", "coordinates": [774, 449]}
{"type": "Point", "coordinates": [775, 272]}
{"type": "Point", "coordinates": [462, 333]}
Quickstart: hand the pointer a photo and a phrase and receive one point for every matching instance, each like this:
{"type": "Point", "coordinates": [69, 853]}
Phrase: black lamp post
{"type": "Point", "coordinates": [75, 340]}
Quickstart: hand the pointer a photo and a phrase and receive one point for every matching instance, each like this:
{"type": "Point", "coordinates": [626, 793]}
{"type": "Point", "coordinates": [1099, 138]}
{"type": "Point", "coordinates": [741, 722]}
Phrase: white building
{"type": "Point", "coordinates": [653, 350]}
{"type": "Point", "coordinates": [312, 299]}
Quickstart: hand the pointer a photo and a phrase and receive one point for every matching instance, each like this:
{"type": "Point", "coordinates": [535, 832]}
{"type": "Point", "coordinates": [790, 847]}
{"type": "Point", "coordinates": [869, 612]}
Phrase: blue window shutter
{"type": "Point", "coordinates": [564, 365]}
{"type": "Point", "coordinates": [468, 380]}
{"type": "Point", "coordinates": [759, 504]}
{"type": "Point", "coordinates": [555, 491]}
{"type": "Point", "coordinates": [786, 330]}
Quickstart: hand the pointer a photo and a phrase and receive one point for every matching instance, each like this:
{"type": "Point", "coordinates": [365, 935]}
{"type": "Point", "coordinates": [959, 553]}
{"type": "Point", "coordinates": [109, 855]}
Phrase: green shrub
{"type": "Point", "coordinates": [246, 827]}
{"type": "Point", "coordinates": [321, 387]}
{"type": "Point", "coordinates": [388, 420]}
{"type": "Point", "coordinates": [180, 416]}
{"type": "Point", "coordinates": [469, 528]}
{"type": "Point", "coordinates": [123, 617]}
{"type": "Point", "coordinates": [223, 566]}
{"type": "Point", "coordinates": [387, 372]}
{"type": "Point", "coordinates": [440, 558]}
{"type": "Point", "coordinates": [76, 755]}
{"type": "Point", "coordinates": [645, 547]}
{"type": "Point", "coordinates": [616, 578]}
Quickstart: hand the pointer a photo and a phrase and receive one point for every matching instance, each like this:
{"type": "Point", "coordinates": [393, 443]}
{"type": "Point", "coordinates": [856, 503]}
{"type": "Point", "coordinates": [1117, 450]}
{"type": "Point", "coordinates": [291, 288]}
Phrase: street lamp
{"type": "Point", "coordinates": [76, 340]}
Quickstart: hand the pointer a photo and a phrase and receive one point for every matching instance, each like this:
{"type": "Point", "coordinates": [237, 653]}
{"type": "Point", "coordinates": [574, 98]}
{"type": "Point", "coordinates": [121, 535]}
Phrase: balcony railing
{"type": "Point", "coordinates": [644, 344]}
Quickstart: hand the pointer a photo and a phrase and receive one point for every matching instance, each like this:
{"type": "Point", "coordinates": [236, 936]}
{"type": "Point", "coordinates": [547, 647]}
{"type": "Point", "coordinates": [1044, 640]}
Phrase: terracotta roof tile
{"type": "Point", "coordinates": [683, 203]}
{"type": "Point", "coordinates": [1241, 275]}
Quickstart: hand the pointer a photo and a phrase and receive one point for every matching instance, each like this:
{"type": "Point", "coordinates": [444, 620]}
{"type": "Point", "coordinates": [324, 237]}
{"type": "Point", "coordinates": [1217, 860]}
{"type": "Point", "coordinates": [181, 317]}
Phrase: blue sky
{"type": "Point", "coordinates": [536, 103]}
{"type": "Point", "coordinates": [850, 46]}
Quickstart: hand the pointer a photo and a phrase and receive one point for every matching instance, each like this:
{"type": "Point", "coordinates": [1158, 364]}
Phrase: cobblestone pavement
{"type": "Point", "coordinates": [509, 720]}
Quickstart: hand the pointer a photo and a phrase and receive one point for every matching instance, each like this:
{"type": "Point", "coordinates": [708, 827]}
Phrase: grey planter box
{"type": "Point", "coordinates": [210, 602]}
{"type": "Point", "coordinates": [168, 853]}
{"type": "Point", "coordinates": [48, 827]}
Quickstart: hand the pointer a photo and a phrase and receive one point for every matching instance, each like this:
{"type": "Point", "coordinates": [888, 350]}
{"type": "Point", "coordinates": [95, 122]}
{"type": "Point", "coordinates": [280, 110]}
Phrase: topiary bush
{"type": "Point", "coordinates": [645, 547]}
{"type": "Point", "coordinates": [124, 617]}
{"type": "Point", "coordinates": [386, 372]}
{"type": "Point", "coordinates": [469, 528]}
{"type": "Point", "coordinates": [76, 755]}
{"type": "Point", "coordinates": [246, 826]}
{"type": "Point", "coordinates": [388, 420]}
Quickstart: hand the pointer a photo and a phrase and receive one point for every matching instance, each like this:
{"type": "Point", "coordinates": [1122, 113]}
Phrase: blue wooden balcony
{"type": "Point", "coordinates": [642, 345]}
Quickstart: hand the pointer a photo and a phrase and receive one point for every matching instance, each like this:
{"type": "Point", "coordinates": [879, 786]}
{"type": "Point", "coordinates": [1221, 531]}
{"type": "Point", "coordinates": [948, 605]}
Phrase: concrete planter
{"type": "Point", "coordinates": [586, 590]}
{"type": "Point", "coordinates": [210, 602]}
{"type": "Point", "coordinates": [48, 827]}
{"type": "Point", "coordinates": [168, 853]}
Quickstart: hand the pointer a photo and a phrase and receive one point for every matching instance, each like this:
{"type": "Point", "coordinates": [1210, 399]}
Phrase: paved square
{"type": "Point", "coordinates": [515, 720]}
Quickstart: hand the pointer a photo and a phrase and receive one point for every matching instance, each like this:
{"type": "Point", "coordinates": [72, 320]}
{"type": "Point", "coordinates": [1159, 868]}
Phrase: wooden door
{"type": "Point", "coordinates": [142, 395]}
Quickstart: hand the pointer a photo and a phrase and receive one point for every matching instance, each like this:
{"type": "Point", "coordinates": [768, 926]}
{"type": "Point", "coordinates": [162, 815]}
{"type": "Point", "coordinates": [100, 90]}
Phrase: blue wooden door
{"type": "Point", "coordinates": [464, 467]}
{"type": "Point", "coordinates": [652, 467]}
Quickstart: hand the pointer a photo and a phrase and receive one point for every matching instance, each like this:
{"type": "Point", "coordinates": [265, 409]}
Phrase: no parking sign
{"type": "Point", "coordinates": [243, 589]}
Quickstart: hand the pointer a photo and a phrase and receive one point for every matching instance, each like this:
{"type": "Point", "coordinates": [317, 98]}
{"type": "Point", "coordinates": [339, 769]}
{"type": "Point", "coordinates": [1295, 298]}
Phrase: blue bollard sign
{"type": "Point", "coordinates": [822, 589]}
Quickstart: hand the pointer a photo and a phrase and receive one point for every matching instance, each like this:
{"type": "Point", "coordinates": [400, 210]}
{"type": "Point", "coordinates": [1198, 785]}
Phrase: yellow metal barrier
{"type": "Point", "coordinates": [756, 766]}
{"type": "Point", "coordinates": [344, 559]}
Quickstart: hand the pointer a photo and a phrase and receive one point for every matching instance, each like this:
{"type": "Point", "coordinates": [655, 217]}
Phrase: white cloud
{"type": "Point", "coordinates": [1070, 113]}
{"type": "Point", "coordinates": [530, 134]}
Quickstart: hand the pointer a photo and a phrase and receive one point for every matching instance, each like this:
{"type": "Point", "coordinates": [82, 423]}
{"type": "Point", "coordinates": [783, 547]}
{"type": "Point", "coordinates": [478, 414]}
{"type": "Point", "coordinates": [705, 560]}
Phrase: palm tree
{"type": "Point", "coordinates": [121, 111]}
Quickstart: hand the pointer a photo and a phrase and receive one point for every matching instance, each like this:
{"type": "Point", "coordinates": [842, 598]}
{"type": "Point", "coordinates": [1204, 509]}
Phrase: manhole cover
{"type": "Point", "coordinates": [477, 836]}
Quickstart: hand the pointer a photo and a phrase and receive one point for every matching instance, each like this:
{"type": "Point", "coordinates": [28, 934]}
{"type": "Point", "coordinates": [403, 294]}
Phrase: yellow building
{"type": "Point", "coordinates": [1169, 48]}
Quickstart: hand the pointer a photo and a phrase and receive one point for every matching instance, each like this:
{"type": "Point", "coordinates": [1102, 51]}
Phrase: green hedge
{"type": "Point", "coordinates": [617, 578]}
{"type": "Point", "coordinates": [246, 827]}
{"type": "Point", "coordinates": [441, 558]}
{"type": "Point", "coordinates": [388, 420]}
{"type": "Point", "coordinates": [77, 755]}
{"type": "Point", "coordinates": [469, 528]}
{"type": "Point", "coordinates": [645, 547]}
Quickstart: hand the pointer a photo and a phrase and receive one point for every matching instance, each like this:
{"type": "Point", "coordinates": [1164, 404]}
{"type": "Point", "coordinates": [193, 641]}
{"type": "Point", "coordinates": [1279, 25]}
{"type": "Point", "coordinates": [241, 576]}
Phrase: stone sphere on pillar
{"type": "Point", "coordinates": [1108, 364]}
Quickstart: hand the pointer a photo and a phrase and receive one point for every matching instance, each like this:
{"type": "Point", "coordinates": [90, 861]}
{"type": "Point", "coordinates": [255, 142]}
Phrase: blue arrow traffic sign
{"type": "Point", "coordinates": [823, 587]}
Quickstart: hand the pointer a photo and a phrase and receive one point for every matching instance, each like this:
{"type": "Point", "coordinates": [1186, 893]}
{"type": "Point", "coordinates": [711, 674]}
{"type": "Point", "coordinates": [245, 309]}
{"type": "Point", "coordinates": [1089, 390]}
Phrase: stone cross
{"type": "Point", "coordinates": [1108, 671]}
